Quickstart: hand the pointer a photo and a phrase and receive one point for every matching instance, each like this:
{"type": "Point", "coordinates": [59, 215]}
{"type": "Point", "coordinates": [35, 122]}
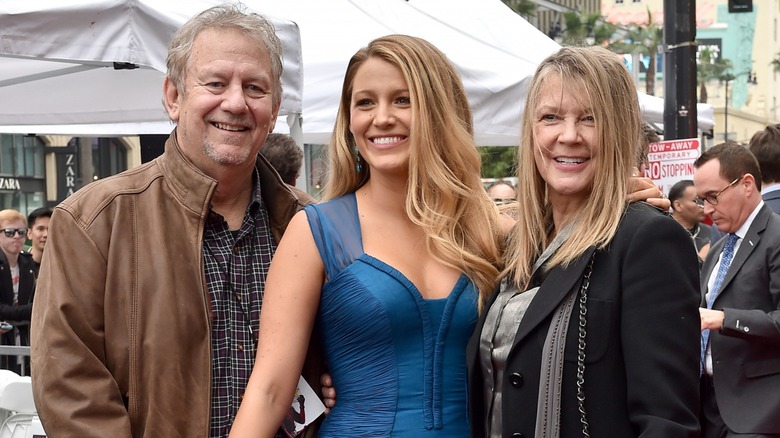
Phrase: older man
{"type": "Point", "coordinates": [740, 314]}
{"type": "Point", "coordinates": [146, 319]}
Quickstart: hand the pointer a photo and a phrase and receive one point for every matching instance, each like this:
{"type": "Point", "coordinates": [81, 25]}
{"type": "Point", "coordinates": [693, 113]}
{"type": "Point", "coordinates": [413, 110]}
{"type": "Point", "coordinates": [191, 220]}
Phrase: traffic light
{"type": "Point", "coordinates": [740, 5]}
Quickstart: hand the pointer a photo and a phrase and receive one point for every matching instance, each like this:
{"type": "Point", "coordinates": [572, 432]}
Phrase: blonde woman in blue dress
{"type": "Point", "coordinates": [390, 271]}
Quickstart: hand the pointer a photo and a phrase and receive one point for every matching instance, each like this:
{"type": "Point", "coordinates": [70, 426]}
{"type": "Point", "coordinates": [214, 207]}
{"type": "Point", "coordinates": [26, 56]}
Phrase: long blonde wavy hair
{"type": "Point", "coordinates": [598, 78]}
{"type": "Point", "coordinates": [444, 190]}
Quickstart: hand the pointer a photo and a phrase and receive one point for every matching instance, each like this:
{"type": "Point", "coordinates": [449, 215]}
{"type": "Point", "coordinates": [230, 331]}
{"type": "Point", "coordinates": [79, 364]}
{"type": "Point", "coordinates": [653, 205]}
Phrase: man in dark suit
{"type": "Point", "coordinates": [740, 314]}
{"type": "Point", "coordinates": [765, 145]}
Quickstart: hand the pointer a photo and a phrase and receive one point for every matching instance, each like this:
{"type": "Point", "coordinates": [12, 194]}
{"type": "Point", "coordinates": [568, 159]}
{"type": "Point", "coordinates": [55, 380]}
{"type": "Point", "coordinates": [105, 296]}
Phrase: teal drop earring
{"type": "Point", "coordinates": [358, 166]}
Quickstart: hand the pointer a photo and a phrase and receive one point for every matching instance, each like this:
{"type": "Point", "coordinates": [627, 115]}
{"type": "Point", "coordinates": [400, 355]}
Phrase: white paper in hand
{"type": "Point", "coordinates": [306, 407]}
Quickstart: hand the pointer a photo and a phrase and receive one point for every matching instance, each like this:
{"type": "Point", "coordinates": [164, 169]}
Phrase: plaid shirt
{"type": "Point", "coordinates": [236, 264]}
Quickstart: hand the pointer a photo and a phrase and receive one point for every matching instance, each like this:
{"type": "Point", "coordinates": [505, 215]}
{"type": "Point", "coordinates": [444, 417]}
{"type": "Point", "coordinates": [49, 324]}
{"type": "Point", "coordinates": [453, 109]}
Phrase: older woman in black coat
{"type": "Point", "coordinates": [595, 327]}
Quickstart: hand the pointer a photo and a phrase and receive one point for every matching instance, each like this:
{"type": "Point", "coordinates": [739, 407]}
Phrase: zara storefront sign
{"type": "Point", "coordinates": [670, 161]}
{"type": "Point", "coordinates": [10, 184]}
{"type": "Point", "coordinates": [67, 171]}
{"type": "Point", "coordinates": [70, 174]}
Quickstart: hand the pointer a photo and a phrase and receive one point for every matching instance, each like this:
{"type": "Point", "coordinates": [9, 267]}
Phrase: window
{"type": "Point", "coordinates": [109, 156]}
{"type": "Point", "coordinates": [21, 172]}
{"type": "Point", "coordinates": [21, 155]}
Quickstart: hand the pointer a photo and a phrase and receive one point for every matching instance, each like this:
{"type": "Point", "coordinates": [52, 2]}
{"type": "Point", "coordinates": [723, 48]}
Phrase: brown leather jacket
{"type": "Point", "coordinates": [121, 330]}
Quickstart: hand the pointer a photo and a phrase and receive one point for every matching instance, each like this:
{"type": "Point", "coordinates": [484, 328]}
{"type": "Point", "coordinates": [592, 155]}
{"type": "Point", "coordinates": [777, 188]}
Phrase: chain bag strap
{"type": "Point", "coordinates": [548, 407]}
{"type": "Point", "coordinates": [582, 332]}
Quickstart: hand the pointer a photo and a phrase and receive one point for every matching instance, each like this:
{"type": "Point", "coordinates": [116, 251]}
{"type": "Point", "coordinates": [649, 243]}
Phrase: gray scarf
{"type": "Point", "coordinates": [548, 407]}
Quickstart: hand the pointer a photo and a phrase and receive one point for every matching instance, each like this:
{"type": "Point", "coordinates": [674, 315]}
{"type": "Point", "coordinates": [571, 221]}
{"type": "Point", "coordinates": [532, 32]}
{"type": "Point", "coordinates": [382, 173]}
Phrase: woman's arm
{"type": "Point", "coordinates": [290, 303]}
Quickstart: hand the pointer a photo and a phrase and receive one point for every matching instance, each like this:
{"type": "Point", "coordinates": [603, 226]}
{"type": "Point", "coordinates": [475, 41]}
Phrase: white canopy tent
{"type": "Point", "coordinates": [495, 51]}
{"type": "Point", "coordinates": [96, 67]}
{"type": "Point", "coordinates": [653, 112]}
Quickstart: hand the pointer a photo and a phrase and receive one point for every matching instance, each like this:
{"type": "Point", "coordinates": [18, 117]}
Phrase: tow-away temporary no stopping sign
{"type": "Point", "coordinates": [670, 161]}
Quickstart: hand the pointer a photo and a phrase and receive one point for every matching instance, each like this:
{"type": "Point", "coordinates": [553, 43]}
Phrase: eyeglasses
{"type": "Point", "coordinates": [10, 232]}
{"type": "Point", "coordinates": [502, 201]}
{"type": "Point", "coordinates": [713, 199]}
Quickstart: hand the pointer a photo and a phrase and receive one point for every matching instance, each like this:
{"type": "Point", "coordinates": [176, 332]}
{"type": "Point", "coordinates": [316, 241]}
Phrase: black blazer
{"type": "Point", "coordinates": [746, 351]}
{"type": "Point", "coordinates": [643, 331]}
{"type": "Point", "coordinates": [18, 315]}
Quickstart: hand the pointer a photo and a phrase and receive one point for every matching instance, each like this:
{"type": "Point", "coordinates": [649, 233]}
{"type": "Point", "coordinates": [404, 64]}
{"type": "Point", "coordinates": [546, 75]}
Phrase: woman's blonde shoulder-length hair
{"type": "Point", "coordinates": [444, 190]}
{"type": "Point", "coordinates": [598, 78]}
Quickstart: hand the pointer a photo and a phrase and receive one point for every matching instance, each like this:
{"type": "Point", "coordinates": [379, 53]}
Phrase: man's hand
{"type": "Point", "coordinates": [643, 189]}
{"type": "Point", "coordinates": [328, 392]}
{"type": "Point", "coordinates": [711, 319]}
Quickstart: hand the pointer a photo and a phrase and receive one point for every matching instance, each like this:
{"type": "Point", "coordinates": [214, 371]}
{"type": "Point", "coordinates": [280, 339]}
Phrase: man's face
{"type": "Point", "coordinates": [728, 213]}
{"type": "Point", "coordinates": [687, 208]}
{"type": "Point", "coordinates": [14, 243]}
{"type": "Point", "coordinates": [38, 232]}
{"type": "Point", "coordinates": [228, 105]}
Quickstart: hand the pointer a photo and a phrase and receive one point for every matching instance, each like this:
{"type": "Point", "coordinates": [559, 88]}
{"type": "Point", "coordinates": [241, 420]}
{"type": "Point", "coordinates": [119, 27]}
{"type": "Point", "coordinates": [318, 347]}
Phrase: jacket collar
{"type": "Point", "coordinates": [195, 188]}
{"type": "Point", "coordinates": [746, 247]}
{"type": "Point", "coordinates": [557, 285]}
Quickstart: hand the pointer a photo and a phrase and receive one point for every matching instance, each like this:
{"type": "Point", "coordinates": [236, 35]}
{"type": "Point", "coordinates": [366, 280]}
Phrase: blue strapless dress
{"type": "Point", "coordinates": [397, 360]}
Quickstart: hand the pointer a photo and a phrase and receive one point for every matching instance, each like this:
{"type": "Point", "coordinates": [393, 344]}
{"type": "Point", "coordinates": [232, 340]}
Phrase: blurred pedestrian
{"type": "Point", "coordinates": [284, 155]}
{"type": "Point", "coordinates": [17, 288]}
{"type": "Point", "coordinates": [37, 233]}
{"type": "Point", "coordinates": [765, 146]}
{"type": "Point", "coordinates": [688, 211]}
{"type": "Point", "coordinates": [648, 136]}
{"type": "Point", "coordinates": [502, 192]}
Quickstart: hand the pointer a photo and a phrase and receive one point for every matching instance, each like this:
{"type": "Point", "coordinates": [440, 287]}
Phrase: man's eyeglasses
{"type": "Point", "coordinates": [502, 201]}
{"type": "Point", "coordinates": [10, 232]}
{"type": "Point", "coordinates": [713, 199]}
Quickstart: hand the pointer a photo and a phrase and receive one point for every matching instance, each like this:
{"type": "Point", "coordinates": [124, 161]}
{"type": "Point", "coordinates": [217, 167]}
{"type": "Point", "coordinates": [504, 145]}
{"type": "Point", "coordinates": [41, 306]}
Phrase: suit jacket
{"type": "Point", "coordinates": [746, 351]}
{"type": "Point", "coordinates": [642, 341]}
{"type": "Point", "coordinates": [772, 199]}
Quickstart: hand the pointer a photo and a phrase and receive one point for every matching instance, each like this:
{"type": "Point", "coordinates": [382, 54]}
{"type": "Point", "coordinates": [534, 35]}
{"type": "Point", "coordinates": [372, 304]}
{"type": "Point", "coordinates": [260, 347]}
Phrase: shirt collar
{"type": "Point", "coordinates": [770, 188]}
{"type": "Point", "coordinates": [742, 231]}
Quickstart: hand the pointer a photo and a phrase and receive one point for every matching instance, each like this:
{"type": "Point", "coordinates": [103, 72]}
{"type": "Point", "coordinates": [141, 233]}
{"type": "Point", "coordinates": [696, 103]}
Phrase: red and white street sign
{"type": "Point", "coordinates": [670, 161]}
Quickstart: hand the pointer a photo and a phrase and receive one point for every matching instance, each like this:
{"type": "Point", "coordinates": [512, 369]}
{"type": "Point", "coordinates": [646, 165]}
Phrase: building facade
{"type": "Point", "coordinates": [41, 171]}
{"type": "Point", "coordinates": [749, 40]}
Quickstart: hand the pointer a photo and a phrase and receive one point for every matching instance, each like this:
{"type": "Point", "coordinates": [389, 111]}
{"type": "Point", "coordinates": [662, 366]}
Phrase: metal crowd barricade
{"type": "Point", "coordinates": [16, 350]}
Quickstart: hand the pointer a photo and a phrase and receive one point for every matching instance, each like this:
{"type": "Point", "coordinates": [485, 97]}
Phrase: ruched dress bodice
{"type": "Point", "coordinates": [397, 360]}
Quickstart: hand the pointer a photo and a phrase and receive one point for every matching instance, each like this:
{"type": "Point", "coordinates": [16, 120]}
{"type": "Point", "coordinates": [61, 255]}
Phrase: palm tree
{"type": "Point", "coordinates": [711, 67]}
{"type": "Point", "coordinates": [586, 29]}
{"type": "Point", "coordinates": [644, 40]}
